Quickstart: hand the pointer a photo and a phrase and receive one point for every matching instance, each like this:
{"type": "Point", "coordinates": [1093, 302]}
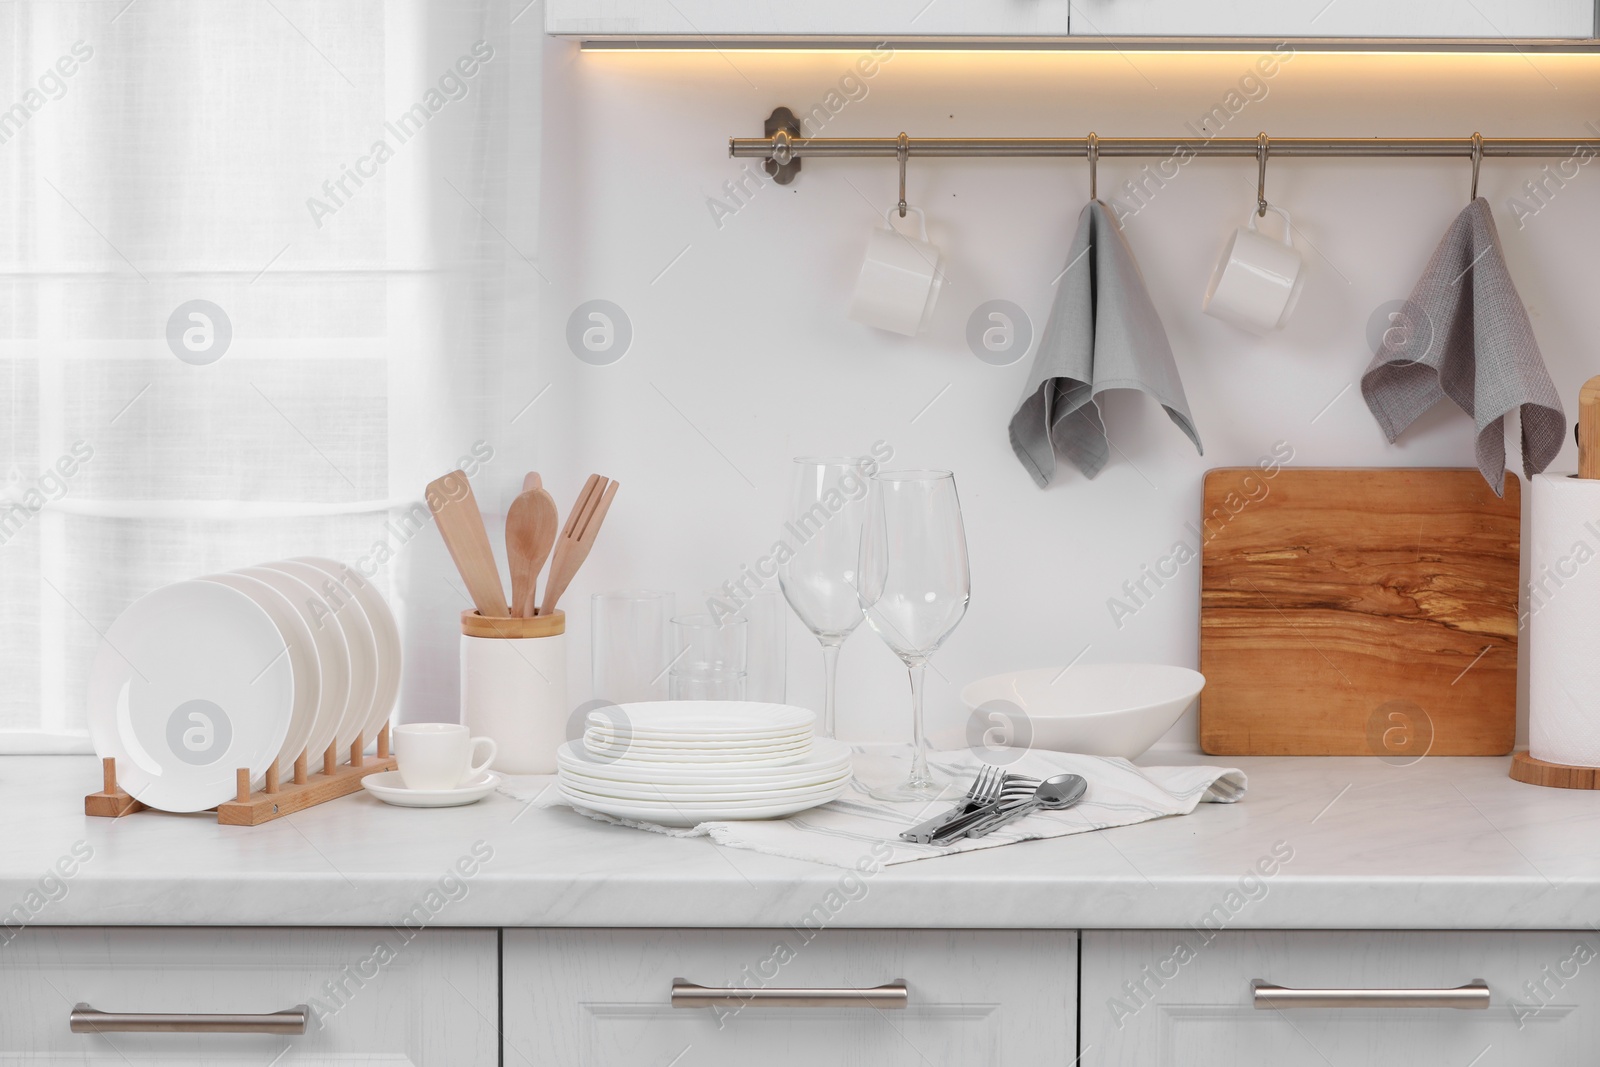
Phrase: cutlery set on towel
{"type": "Point", "coordinates": [996, 798]}
{"type": "Point", "coordinates": [531, 539]}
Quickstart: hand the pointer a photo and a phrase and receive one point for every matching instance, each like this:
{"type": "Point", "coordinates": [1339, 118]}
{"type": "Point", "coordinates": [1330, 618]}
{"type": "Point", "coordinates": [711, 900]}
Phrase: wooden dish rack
{"type": "Point", "coordinates": [276, 799]}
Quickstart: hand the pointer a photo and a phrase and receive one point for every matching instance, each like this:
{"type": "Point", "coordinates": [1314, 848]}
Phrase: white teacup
{"type": "Point", "coordinates": [900, 278]}
{"type": "Point", "coordinates": [1257, 280]}
{"type": "Point", "coordinates": [438, 755]}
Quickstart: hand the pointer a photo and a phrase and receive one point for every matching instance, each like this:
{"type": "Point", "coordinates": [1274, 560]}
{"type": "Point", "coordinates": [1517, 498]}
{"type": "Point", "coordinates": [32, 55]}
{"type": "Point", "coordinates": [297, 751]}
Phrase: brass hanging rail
{"type": "Point", "coordinates": [784, 147]}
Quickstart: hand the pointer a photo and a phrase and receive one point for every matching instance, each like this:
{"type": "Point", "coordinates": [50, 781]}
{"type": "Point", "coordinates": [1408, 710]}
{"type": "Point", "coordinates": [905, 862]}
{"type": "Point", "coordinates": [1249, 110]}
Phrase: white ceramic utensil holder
{"type": "Point", "coordinates": [514, 687]}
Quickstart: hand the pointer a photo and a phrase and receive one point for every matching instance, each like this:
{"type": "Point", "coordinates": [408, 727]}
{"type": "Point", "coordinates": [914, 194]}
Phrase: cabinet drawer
{"type": "Point", "coordinates": [604, 998]}
{"type": "Point", "coordinates": [1186, 997]}
{"type": "Point", "coordinates": [373, 996]}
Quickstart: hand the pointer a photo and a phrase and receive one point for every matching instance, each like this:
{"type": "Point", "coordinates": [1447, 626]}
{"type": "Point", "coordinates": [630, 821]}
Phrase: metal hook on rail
{"type": "Point", "coordinates": [1092, 150]}
{"type": "Point", "coordinates": [1263, 145]}
{"type": "Point", "coordinates": [902, 151]}
{"type": "Point", "coordinates": [1477, 158]}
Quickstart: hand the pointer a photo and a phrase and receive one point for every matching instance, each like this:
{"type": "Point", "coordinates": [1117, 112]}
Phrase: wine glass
{"type": "Point", "coordinates": [822, 529]}
{"type": "Point", "coordinates": [914, 587]}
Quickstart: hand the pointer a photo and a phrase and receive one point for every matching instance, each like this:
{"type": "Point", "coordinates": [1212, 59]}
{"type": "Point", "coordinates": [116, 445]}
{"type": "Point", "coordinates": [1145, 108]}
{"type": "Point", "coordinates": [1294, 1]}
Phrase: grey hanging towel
{"type": "Point", "coordinates": [1464, 333]}
{"type": "Point", "coordinates": [1103, 333]}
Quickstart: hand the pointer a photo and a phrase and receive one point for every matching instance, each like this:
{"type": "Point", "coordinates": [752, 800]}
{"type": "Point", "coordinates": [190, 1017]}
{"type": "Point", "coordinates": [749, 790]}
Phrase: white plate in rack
{"type": "Point", "coordinates": [385, 634]}
{"type": "Point", "coordinates": [341, 610]}
{"type": "Point", "coordinates": [302, 653]}
{"type": "Point", "coordinates": [333, 656]}
{"type": "Point", "coordinates": [190, 683]}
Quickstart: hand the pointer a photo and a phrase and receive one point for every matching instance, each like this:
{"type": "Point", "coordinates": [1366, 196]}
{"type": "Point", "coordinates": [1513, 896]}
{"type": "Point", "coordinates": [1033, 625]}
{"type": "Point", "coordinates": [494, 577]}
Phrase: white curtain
{"type": "Point", "coordinates": [353, 183]}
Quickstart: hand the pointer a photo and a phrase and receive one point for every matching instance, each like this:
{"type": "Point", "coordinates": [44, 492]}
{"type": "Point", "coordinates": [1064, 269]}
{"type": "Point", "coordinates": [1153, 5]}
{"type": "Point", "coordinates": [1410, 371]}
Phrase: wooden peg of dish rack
{"type": "Point", "coordinates": [276, 798]}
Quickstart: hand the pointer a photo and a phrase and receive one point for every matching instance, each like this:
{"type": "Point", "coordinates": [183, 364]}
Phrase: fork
{"type": "Point", "coordinates": [577, 537]}
{"type": "Point", "coordinates": [1016, 791]}
{"type": "Point", "coordinates": [987, 789]}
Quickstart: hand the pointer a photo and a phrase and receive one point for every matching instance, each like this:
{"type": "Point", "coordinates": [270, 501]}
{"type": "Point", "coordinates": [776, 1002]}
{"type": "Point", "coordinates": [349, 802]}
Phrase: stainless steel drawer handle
{"type": "Point", "coordinates": [86, 1020]}
{"type": "Point", "coordinates": [685, 994]}
{"type": "Point", "coordinates": [1474, 996]}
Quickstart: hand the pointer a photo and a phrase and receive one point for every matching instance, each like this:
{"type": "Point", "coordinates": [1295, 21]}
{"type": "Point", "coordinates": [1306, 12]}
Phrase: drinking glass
{"type": "Point", "coordinates": [822, 528]}
{"type": "Point", "coordinates": [630, 646]}
{"type": "Point", "coordinates": [766, 652]}
{"type": "Point", "coordinates": [914, 587]}
{"type": "Point", "coordinates": [708, 662]}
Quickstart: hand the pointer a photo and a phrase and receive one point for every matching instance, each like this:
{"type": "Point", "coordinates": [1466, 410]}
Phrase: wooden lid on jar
{"type": "Point", "coordinates": [475, 625]}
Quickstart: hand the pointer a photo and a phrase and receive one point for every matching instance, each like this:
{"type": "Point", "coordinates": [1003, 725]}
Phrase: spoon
{"type": "Point", "coordinates": [1052, 794]}
{"type": "Point", "coordinates": [531, 526]}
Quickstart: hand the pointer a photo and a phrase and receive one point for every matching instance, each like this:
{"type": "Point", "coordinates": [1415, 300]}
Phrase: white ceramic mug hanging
{"type": "Point", "coordinates": [900, 278]}
{"type": "Point", "coordinates": [1257, 280]}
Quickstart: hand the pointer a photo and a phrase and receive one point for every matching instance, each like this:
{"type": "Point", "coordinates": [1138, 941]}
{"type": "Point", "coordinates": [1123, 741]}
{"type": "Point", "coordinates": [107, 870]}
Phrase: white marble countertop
{"type": "Point", "coordinates": [1447, 843]}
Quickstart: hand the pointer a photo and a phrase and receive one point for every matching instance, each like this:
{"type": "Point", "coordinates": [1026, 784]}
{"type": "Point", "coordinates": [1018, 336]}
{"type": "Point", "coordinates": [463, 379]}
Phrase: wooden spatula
{"type": "Point", "coordinates": [455, 511]}
{"type": "Point", "coordinates": [577, 537]}
{"type": "Point", "coordinates": [531, 480]}
{"type": "Point", "coordinates": [531, 526]}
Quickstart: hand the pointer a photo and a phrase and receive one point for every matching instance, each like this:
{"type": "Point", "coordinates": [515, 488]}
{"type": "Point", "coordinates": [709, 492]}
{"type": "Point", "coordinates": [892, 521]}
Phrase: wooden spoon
{"type": "Point", "coordinates": [455, 511]}
{"type": "Point", "coordinates": [577, 537]}
{"type": "Point", "coordinates": [531, 526]}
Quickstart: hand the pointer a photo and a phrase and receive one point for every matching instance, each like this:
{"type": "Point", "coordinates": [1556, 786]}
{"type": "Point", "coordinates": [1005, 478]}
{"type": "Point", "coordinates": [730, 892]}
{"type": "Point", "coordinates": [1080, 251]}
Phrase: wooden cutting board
{"type": "Point", "coordinates": [1358, 612]}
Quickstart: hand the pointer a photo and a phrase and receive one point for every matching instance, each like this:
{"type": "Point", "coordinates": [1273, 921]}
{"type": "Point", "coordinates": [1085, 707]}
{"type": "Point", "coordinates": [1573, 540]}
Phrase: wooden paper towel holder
{"type": "Point", "coordinates": [1524, 768]}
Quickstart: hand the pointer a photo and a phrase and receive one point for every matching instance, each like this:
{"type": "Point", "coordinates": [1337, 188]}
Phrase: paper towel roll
{"type": "Point", "coordinates": [1564, 621]}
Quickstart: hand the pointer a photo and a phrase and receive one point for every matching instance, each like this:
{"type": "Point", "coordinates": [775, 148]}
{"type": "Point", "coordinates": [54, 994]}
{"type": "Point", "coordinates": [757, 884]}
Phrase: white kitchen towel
{"type": "Point", "coordinates": [857, 827]}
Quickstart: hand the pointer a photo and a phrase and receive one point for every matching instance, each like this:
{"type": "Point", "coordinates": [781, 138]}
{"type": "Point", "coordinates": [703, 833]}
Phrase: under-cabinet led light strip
{"type": "Point", "coordinates": [1112, 45]}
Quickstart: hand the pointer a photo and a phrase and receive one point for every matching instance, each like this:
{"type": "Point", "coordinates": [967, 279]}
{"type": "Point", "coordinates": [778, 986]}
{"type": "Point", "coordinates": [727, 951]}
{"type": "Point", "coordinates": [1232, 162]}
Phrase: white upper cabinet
{"type": "Point", "coordinates": [1490, 19]}
{"type": "Point", "coordinates": [694, 20]}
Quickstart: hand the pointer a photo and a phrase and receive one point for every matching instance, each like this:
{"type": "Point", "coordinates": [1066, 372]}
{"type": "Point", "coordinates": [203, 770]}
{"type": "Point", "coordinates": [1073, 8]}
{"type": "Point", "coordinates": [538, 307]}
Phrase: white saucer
{"type": "Point", "coordinates": [387, 787]}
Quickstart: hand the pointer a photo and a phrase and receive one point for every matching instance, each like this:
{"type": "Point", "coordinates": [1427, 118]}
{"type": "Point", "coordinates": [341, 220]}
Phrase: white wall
{"type": "Point", "coordinates": [743, 357]}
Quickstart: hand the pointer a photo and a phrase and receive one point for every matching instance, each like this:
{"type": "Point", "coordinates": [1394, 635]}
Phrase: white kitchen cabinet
{"type": "Point", "coordinates": [1170, 998]}
{"type": "Point", "coordinates": [430, 999]}
{"type": "Point", "coordinates": [603, 998]}
{"type": "Point", "coordinates": [903, 19]}
{"type": "Point", "coordinates": [1491, 19]}
{"type": "Point", "coordinates": [815, 18]}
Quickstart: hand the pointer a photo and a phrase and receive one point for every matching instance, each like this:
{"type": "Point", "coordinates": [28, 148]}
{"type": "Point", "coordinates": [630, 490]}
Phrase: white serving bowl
{"type": "Point", "coordinates": [1098, 709]}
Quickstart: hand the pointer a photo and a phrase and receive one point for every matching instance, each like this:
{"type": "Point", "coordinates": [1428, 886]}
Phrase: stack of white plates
{"type": "Point", "coordinates": [245, 669]}
{"type": "Point", "coordinates": [682, 762]}
{"type": "Point", "coordinates": [701, 731]}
